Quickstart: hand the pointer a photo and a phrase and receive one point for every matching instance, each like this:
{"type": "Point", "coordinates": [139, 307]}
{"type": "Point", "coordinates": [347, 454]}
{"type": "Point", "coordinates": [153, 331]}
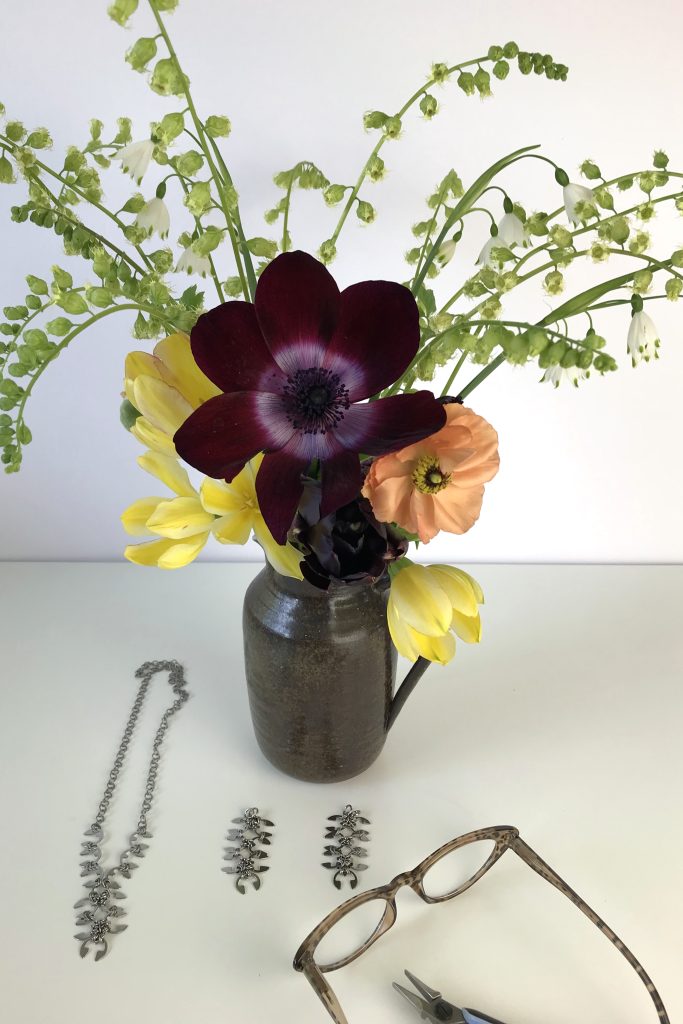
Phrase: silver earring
{"type": "Point", "coordinates": [346, 852]}
{"type": "Point", "coordinates": [245, 857]}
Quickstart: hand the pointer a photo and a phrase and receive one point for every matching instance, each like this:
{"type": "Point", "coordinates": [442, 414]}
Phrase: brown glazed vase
{"type": "Point", "coordinates": [320, 669]}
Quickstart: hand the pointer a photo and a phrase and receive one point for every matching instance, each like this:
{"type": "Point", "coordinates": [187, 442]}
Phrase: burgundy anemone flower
{"type": "Point", "coordinates": [293, 367]}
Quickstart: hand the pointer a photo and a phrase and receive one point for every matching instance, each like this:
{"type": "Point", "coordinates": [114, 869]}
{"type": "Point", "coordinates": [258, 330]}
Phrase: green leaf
{"type": "Point", "coordinates": [35, 338]}
{"type": "Point", "coordinates": [411, 537]}
{"type": "Point", "coordinates": [15, 312]}
{"type": "Point", "coordinates": [209, 241]}
{"type": "Point", "coordinates": [124, 134]}
{"type": "Point", "coordinates": [27, 356]}
{"type": "Point", "coordinates": [101, 263]}
{"type": "Point", "coordinates": [579, 303]}
{"type": "Point", "coordinates": [170, 127]}
{"type": "Point", "coordinates": [188, 163]}
{"type": "Point", "coordinates": [234, 287]}
{"type": "Point", "coordinates": [134, 204]}
{"type": "Point", "coordinates": [191, 298]}
{"type": "Point", "coordinates": [62, 278]}
{"type": "Point", "coordinates": [121, 10]}
{"type": "Point", "coordinates": [39, 139]}
{"type": "Point", "coordinates": [59, 327]}
{"type": "Point", "coordinates": [141, 53]}
{"type": "Point", "coordinates": [198, 199]}
{"type": "Point", "coordinates": [100, 297]}
{"type": "Point", "coordinates": [128, 414]}
{"type": "Point", "coordinates": [167, 79]}
{"type": "Point", "coordinates": [217, 127]}
{"type": "Point", "coordinates": [24, 435]}
{"type": "Point", "coordinates": [6, 171]}
{"type": "Point", "coordinates": [15, 131]}
{"type": "Point", "coordinates": [74, 160]}
{"type": "Point", "coordinates": [73, 302]}
{"type": "Point", "coordinates": [37, 285]}
{"type": "Point", "coordinates": [374, 119]}
{"type": "Point", "coordinates": [162, 259]}
{"type": "Point", "coordinates": [262, 247]}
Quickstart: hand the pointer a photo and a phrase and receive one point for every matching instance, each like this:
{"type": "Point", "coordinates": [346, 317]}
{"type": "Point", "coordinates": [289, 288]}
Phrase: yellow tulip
{"type": "Point", "coordinates": [165, 386]}
{"type": "Point", "coordinates": [236, 505]}
{"type": "Point", "coordinates": [428, 606]}
{"type": "Point", "coordinates": [182, 525]}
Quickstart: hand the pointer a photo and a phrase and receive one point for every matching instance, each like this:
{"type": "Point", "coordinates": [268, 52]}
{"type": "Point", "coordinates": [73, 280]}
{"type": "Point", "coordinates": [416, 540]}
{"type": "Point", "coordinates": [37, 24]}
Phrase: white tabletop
{"type": "Point", "coordinates": [565, 722]}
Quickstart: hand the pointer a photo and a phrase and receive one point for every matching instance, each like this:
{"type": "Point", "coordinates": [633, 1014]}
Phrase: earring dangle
{"type": "Point", "coordinates": [245, 857]}
{"type": "Point", "coordinates": [345, 851]}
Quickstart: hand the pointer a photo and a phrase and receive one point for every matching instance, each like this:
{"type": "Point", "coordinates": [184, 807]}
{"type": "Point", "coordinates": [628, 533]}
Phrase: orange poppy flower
{"type": "Point", "coordinates": [436, 484]}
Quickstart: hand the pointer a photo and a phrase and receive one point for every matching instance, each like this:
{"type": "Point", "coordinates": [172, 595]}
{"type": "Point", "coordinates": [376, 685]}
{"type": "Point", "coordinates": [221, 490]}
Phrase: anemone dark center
{"type": "Point", "coordinates": [315, 400]}
{"type": "Point", "coordinates": [428, 477]}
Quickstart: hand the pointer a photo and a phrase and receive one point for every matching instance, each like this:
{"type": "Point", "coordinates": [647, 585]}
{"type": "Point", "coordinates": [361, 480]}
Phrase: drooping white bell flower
{"type": "Point", "coordinates": [485, 257]}
{"type": "Point", "coordinates": [556, 374]}
{"type": "Point", "coordinates": [643, 338]}
{"type": "Point", "coordinates": [190, 263]}
{"type": "Point", "coordinates": [446, 252]}
{"type": "Point", "coordinates": [511, 230]}
{"type": "Point", "coordinates": [573, 194]}
{"type": "Point", "coordinates": [135, 158]}
{"type": "Point", "coordinates": [154, 217]}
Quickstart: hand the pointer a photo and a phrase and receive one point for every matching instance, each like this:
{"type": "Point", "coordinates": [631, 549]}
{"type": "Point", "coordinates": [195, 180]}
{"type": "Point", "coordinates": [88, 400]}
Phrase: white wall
{"type": "Point", "coordinates": [590, 474]}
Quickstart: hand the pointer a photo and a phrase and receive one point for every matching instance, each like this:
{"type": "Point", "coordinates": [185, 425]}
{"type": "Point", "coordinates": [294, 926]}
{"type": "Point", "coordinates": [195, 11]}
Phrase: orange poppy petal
{"type": "Point", "coordinates": [422, 507]}
{"type": "Point", "coordinates": [466, 448]}
{"type": "Point", "coordinates": [456, 509]}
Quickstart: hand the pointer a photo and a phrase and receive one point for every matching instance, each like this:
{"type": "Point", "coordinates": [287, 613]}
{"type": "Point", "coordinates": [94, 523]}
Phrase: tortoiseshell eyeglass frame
{"type": "Point", "coordinates": [504, 838]}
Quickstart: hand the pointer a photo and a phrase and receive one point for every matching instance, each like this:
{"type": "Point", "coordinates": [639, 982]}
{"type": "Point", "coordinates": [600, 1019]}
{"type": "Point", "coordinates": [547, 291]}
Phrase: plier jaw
{"type": "Point", "coordinates": [429, 1003]}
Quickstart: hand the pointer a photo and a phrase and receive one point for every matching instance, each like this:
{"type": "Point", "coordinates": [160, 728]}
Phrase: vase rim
{"type": "Point", "coordinates": [302, 588]}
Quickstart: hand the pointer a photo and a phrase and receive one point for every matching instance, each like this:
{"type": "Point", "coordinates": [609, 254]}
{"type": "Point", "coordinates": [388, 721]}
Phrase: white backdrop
{"type": "Point", "coordinates": [590, 474]}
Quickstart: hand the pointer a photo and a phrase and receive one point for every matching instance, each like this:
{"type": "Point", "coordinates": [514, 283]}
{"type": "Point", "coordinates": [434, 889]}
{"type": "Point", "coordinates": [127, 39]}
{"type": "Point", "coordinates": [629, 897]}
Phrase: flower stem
{"type": "Point", "coordinates": [454, 374]}
{"type": "Point", "coordinates": [200, 229]}
{"type": "Point", "coordinates": [93, 202]}
{"type": "Point", "coordinates": [465, 203]}
{"type": "Point", "coordinates": [404, 109]}
{"type": "Point", "coordinates": [248, 262]}
{"type": "Point", "coordinates": [206, 149]}
{"type": "Point", "coordinates": [70, 337]}
{"type": "Point", "coordinates": [482, 375]}
{"type": "Point", "coordinates": [77, 223]}
{"type": "Point", "coordinates": [285, 219]}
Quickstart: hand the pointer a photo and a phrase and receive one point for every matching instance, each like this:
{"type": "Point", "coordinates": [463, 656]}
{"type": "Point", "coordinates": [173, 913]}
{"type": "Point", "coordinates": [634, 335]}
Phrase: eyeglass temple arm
{"type": "Point", "coordinates": [323, 990]}
{"type": "Point", "coordinates": [545, 871]}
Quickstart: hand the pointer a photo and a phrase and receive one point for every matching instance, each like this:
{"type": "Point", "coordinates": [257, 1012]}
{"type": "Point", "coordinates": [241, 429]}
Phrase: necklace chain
{"type": "Point", "coordinates": [103, 891]}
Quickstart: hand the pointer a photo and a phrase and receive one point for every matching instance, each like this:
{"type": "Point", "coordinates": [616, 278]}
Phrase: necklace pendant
{"type": "Point", "coordinates": [98, 908]}
{"type": "Point", "coordinates": [96, 936]}
{"type": "Point", "coordinates": [102, 890]}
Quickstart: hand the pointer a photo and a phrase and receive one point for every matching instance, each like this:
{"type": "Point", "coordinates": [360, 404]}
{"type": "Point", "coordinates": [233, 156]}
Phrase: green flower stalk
{"type": "Point", "coordinates": [128, 263]}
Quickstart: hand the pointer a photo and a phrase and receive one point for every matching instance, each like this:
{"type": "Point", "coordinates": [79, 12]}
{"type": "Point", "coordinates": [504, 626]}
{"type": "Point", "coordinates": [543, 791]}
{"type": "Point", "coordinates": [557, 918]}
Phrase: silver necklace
{"type": "Point", "coordinates": [103, 890]}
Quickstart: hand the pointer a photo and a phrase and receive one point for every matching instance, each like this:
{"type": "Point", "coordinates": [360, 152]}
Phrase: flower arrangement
{"type": "Point", "coordinates": [302, 405]}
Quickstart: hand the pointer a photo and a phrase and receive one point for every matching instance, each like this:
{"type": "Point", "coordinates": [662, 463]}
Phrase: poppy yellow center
{"type": "Point", "coordinates": [428, 477]}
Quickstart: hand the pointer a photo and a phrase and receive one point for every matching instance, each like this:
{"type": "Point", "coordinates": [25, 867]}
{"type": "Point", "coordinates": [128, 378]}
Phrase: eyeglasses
{"type": "Point", "coordinates": [351, 929]}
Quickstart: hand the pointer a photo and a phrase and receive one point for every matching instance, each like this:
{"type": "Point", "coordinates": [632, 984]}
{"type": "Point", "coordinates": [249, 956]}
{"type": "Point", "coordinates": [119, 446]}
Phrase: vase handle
{"type": "Point", "coordinates": [406, 688]}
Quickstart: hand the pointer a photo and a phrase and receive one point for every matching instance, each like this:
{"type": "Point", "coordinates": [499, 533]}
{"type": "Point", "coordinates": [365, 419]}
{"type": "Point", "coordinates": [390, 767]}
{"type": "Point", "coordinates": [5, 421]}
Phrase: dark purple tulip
{"type": "Point", "coordinates": [294, 367]}
{"type": "Point", "coordinates": [347, 546]}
